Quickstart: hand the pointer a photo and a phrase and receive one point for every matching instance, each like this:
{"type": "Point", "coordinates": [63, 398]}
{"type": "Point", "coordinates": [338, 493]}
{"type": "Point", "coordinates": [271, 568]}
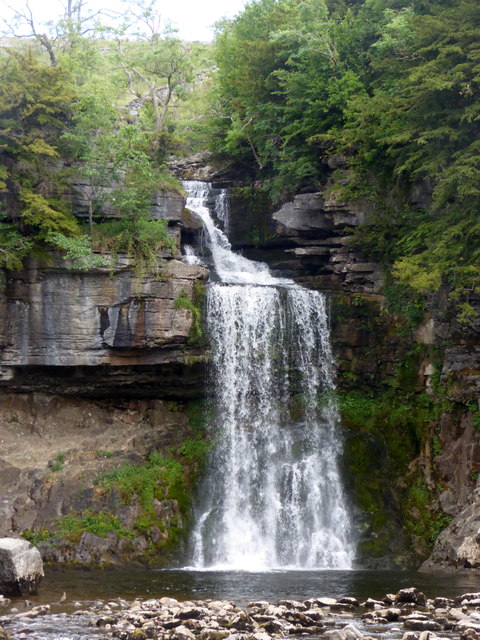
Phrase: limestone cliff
{"type": "Point", "coordinates": [100, 332]}
{"type": "Point", "coordinates": [98, 372]}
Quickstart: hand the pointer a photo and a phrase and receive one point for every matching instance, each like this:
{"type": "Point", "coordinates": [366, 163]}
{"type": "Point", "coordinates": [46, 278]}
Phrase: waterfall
{"type": "Point", "coordinates": [272, 496]}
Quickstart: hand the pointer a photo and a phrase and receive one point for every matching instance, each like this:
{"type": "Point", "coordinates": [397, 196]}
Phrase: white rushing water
{"type": "Point", "coordinates": [273, 496]}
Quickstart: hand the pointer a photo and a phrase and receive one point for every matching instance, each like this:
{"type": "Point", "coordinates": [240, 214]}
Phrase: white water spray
{"type": "Point", "coordinates": [273, 496]}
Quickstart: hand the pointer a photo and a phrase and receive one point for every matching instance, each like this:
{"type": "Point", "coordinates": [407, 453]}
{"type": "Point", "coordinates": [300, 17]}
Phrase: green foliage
{"type": "Point", "coordinates": [66, 123]}
{"type": "Point", "coordinates": [475, 413]}
{"type": "Point", "coordinates": [46, 215]}
{"type": "Point", "coordinates": [439, 522]}
{"type": "Point", "coordinates": [159, 478]}
{"type": "Point", "coordinates": [13, 247]}
{"type": "Point", "coordinates": [140, 238]}
{"type": "Point", "coordinates": [184, 302]}
{"type": "Point", "coordinates": [194, 449]}
{"type": "Point", "coordinates": [58, 463]}
{"type": "Point", "coordinates": [36, 536]}
{"type": "Point", "coordinates": [101, 453]}
{"type": "Point", "coordinates": [101, 524]}
{"type": "Point", "coordinates": [77, 250]}
{"type": "Point", "coordinates": [34, 101]}
{"type": "Point", "coordinates": [384, 433]}
{"type": "Point", "coordinates": [72, 526]}
{"type": "Point", "coordinates": [428, 522]}
{"type": "Point", "coordinates": [405, 419]}
{"type": "Point", "coordinates": [393, 88]}
{"type": "Point", "coordinates": [198, 412]}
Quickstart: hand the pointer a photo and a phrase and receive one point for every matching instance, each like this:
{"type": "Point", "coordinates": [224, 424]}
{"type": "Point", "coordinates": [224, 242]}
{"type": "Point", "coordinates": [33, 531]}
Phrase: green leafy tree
{"type": "Point", "coordinates": [34, 108]}
{"type": "Point", "coordinates": [155, 64]}
{"type": "Point", "coordinates": [93, 144]}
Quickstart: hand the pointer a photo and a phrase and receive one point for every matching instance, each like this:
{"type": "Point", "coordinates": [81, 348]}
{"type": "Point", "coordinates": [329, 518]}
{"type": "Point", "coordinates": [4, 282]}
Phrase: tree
{"type": "Point", "coordinates": [92, 145]}
{"type": "Point", "coordinates": [34, 108]}
{"type": "Point", "coordinates": [55, 37]}
{"type": "Point", "coordinates": [156, 65]}
{"type": "Point", "coordinates": [286, 71]}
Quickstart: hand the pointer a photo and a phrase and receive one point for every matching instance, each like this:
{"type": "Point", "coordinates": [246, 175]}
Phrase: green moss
{"type": "Point", "coordinates": [161, 486]}
{"type": "Point", "coordinates": [475, 413]}
{"type": "Point", "coordinates": [102, 523]}
{"type": "Point", "coordinates": [198, 415]}
{"type": "Point", "coordinates": [160, 477]}
{"type": "Point", "coordinates": [184, 302]}
{"type": "Point", "coordinates": [254, 206]}
{"type": "Point", "coordinates": [36, 536]}
{"type": "Point", "coordinates": [70, 527]}
{"type": "Point", "coordinates": [57, 464]}
{"type": "Point", "coordinates": [384, 433]}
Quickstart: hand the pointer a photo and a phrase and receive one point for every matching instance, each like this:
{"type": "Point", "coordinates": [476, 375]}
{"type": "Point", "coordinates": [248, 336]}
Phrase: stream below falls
{"type": "Point", "coordinates": [92, 589]}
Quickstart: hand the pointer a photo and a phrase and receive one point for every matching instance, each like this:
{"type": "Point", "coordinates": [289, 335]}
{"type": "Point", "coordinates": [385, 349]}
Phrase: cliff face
{"type": "Point", "coordinates": [100, 332]}
{"type": "Point", "coordinates": [99, 370]}
{"type": "Point", "coordinates": [408, 379]}
{"type": "Point", "coordinates": [107, 330]}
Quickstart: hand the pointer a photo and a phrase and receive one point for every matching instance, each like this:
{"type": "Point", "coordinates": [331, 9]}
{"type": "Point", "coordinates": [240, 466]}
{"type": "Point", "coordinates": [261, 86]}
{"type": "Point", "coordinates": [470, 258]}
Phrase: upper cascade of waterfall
{"type": "Point", "coordinates": [230, 267]}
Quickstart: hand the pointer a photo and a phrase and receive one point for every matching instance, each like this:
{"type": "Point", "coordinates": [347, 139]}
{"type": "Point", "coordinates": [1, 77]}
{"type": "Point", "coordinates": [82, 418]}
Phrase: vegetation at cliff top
{"type": "Point", "coordinates": [69, 132]}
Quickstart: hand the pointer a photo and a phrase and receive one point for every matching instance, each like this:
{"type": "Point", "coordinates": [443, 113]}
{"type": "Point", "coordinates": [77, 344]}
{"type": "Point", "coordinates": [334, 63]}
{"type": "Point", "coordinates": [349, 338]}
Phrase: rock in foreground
{"type": "Point", "coordinates": [21, 567]}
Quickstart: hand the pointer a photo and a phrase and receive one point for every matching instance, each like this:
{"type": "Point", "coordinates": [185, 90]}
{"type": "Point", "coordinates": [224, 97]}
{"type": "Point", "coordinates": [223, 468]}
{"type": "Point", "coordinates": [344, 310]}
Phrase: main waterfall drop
{"type": "Point", "coordinates": [272, 496]}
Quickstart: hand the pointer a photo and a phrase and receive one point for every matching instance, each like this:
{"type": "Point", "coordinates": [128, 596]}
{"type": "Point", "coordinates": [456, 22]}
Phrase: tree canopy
{"type": "Point", "coordinates": [393, 86]}
{"type": "Point", "coordinates": [68, 125]}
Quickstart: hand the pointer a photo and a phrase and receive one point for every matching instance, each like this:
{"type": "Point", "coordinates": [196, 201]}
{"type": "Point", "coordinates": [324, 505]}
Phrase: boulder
{"type": "Point", "coordinates": [411, 595]}
{"type": "Point", "coordinates": [349, 632]}
{"type": "Point", "coordinates": [21, 567]}
{"type": "Point", "coordinates": [415, 624]}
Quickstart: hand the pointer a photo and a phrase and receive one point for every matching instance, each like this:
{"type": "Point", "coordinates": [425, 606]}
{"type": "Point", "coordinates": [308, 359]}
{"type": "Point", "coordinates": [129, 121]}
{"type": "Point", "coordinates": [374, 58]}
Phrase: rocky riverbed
{"type": "Point", "coordinates": [408, 615]}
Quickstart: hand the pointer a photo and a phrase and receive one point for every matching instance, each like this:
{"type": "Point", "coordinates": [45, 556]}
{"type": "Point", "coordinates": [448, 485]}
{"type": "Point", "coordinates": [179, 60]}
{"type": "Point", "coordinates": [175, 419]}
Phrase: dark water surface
{"type": "Point", "coordinates": [243, 587]}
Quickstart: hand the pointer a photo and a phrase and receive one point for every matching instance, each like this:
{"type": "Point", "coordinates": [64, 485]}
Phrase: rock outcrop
{"type": "Point", "coordinates": [100, 332]}
{"type": "Point", "coordinates": [21, 567]}
{"type": "Point", "coordinates": [319, 229]}
{"type": "Point", "coordinates": [56, 450]}
{"type": "Point", "coordinates": [307, 239]}
{"type": "Point", "coordinates": [458, 546]}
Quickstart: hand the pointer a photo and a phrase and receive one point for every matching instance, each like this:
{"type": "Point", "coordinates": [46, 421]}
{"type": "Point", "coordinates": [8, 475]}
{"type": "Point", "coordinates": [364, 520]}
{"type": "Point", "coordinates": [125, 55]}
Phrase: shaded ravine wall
{"type": "Point", "coordinates": [98, 370]}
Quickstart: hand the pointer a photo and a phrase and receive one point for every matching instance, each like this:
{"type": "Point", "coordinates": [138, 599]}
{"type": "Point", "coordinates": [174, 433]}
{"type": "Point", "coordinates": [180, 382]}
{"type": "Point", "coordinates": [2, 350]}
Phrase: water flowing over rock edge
{"type": "Point", "coordinates": [272, 494]}
{"type": "Point", "coordinates": [370, 351]}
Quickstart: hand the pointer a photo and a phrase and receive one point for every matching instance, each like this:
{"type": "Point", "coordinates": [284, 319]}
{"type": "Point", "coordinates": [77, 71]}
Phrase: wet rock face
{"type": "Point", "coordinates": [307, 239]}
{"type": "Point", "coordinates": [21, 567]}
{"type": "Point", "coordinates": [459, 545]}
{"type": "Point", "coordinates": [54, 320]}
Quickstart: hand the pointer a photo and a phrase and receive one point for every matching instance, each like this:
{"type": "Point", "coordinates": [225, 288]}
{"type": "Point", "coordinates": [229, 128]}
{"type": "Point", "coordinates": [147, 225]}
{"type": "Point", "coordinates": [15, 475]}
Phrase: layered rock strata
{"type": "Point", "coordinates": [54, 450]}
{"type": "Point", "coordinates": [100, 332]}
